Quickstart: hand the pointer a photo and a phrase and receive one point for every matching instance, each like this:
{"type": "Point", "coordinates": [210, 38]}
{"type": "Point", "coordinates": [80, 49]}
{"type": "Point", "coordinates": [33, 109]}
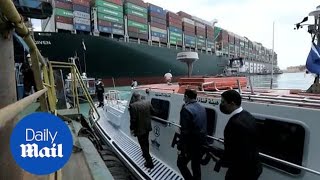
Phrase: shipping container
{"type": "Point", "coordinates": [82, 27]}
{"type": "Point", "coordinates": [136, 13]}
{"type": "Point", "coordinates": [163, 31]}
{"type": "Point", "coordinates": [81, 14]}
{"type": "Point", "coordinates": [108, 5]}
{"type": "Point", "coordinates": [154, 8]}
{"type": "Point", "coordinates": [82, 2]}
{"type": "Point", "coordinates": [117, 26]}
{"type": "Point", "coordinates": [187, 29]}
{"type": "Point", "coordinates": [193, 38]}
{"type": "Point", "coordinates": [173, 24]}
{"type": "Point", "coordinates": [201, 32]}
{"type": "Point", "coordinates": [80, 8]}
{"type": "Point", "coordinates": [157, 20]}
{"type": "Point", "coordinates": [78, 20]}
{"type": "Point", "coordinates": [118, 2]}
{"type": "Point", "coordinates": [185, 15]}
{"type": "Point", "coordinates": [173, 15]}
{"type": "Point", "coordinates": [188, 21]}
{"type": "Point", "coordinates": [64, 26]}
{"type": "Point", "coordinates": [136, 7]}
{"type": "Point", "coordinates": [138, 25]}
{"type": "Point", "coordinates": [157, 25]}
{"type": "Point", "coordinates": [209, 31]}
{"type": "Point", "coordinates": [231, 39]}
{"type": "Point", "coordinates": [104, 23]}
{"type": "Point", "coordinates": [174, 29]}
{"type": "Point", "coordinates": [188, 26]}
{"type": "Point", "coordinates": [117, 31]}
{"type": "Point", "coordinates": [177, 35]}
{"type": "Point", "coordinates": [197, 24]}
{"type": "Point", "coordinates": [111, 12]}
{"type": "Point", "coordinates": [200, 36]}
{"type": "Point", "coordinates": [137, 30]}
{"type": "Point", "coordinates": [66, 1]}
{"type": "Point", "coordinates": [133, 34]}
{"type": "Point", "coordinates": [110, 18]}
{"type": "Point", "coordinates": [157, 34]}
{"type": "Point", "coordinates": [137, 19]}
{"type": "Point", "coordinates": [206, 23]}
{"type": "Point", "coordinates": [137, 2]}
{"type": "Point", "coordinates": [143, 36]}
{"type": "Point", "coordinates": [189, 33]}
{"type": "Point", "coordinates": [157, 15]}
{"type": "Point", "coordinates": [105, 29]}
{"type": "Point", "coordinates": [65, 20]}
{"type": "Point", "coordinates": [63, 5]}
{"type": "Point", "coordinates": [157, 39]}
{"type": "Point", "coordinates": [64, 13]}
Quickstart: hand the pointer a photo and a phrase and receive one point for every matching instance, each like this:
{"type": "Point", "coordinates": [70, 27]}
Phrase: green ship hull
{"type": "Point", "coordinates": [110, 59]}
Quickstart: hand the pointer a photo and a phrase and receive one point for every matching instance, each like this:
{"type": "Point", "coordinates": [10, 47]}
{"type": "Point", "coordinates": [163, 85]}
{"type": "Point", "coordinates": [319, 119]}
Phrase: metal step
{"type": "Point", "coordinates": [131, 150]}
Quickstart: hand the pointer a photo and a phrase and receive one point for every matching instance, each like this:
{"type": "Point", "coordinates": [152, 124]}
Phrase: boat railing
{"type": "Point", "coordinates": [169, 123]}
{"type": "Point", "coordinates": [302, 101]}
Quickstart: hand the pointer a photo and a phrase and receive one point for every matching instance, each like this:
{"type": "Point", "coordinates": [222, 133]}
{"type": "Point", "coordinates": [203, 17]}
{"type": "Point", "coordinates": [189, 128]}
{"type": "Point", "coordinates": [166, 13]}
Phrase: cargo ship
{"type": "Point", "coordinates": [119, 41]}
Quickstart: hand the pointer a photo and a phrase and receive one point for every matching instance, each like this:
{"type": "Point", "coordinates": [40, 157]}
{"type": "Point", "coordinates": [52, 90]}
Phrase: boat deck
{"type": "Point", "coordinates": [132, 152]}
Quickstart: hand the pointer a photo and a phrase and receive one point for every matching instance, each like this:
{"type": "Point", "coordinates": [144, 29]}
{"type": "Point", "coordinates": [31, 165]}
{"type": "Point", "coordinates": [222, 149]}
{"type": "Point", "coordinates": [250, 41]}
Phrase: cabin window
{"type": "Point", "coordinates": [283, 140]}
{"type": "Point", "coordinates": [211, 123]}
{"type": "Point", "coordinates": [161, 108]}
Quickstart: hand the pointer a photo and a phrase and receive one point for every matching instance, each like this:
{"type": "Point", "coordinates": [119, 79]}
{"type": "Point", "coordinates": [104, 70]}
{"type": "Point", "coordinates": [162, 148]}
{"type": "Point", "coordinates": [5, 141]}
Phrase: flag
{"type": "Point", "coordinates": [313, 60]}
{"type": "Point", "coordinates": [84, 46]}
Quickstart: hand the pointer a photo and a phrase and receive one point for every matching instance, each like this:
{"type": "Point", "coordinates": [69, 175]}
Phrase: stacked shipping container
{"type": "Point", "coordinates": [110, 16]}
{"type": "Point", "coordinates": [174, 24]}
{"type": "Point", "coordinates": [137, 15]}
{"type": "Point", "coordinates": [210, 37]}
{"type": "Point", "coordinates": [200, 30]}
{"type": "Point", "coordinates": [63, 15]}
{"type": "Point", "coordinates": [158, 24]}
{"type": "Point", "coordinates": [179, 29]}
{"type": "Point", "coordinates": [231, 43]}
{"type": "Point", "coordinates": [224, 40]}
{"type": "Point", "coordinates": [81, 13]}
{"type": "Point", "coordinates": [188, 27]}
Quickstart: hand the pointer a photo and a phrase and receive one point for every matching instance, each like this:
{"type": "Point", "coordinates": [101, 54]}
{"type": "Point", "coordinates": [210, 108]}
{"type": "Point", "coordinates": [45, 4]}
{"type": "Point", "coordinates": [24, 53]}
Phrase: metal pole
{"type": "Point", "coordinates": [318, 43]}
{"type": "Point", "coordinates": [7, 75]}
{"type": "Point", "coordinates": [271, 83]}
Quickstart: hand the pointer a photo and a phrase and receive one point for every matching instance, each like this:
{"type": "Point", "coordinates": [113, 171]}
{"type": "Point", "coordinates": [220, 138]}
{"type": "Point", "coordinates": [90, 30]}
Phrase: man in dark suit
{"type": "Point", "coordinates": [99, 92]}
{"type": "Point", "coordinates": [193, 132]}
{"type": "Point", "coordinates": [140, 124]}
{"type": "Point", "coordinates": [241, 154]}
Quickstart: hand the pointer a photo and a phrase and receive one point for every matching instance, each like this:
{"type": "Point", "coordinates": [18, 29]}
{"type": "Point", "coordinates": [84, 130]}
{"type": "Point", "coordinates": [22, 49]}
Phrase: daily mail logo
{"type": "Point", "coordinates": [41, 143]}
{"type": "Point", "coordinates": [33, 150]}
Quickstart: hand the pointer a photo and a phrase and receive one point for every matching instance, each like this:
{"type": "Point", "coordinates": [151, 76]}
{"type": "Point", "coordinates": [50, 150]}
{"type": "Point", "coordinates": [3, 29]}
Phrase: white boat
{"type": "Point", "coordinates": [288, 121]}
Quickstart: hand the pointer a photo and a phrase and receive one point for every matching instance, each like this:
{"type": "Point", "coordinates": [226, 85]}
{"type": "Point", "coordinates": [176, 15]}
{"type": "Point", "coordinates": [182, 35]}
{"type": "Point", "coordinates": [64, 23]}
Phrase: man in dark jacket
{"type": "Point", "coordinates": [140, 125]}
{"type": "Point", "coordinates": [193, 132]}
{"type": "Point", "coordinates": [241, 154]}
{"type": "Point", "coordinates": [100, 91]}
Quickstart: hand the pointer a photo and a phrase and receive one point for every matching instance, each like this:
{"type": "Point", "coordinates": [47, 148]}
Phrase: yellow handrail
{"type": "Point", "coordinates": [76, 78]}
{"type": "Point", "coordinates": [9, 112]}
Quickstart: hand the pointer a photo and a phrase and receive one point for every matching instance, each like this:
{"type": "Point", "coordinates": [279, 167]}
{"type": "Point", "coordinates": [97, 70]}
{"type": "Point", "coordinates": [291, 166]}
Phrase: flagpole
{"type": "Point", "coordinates": [271, 83]}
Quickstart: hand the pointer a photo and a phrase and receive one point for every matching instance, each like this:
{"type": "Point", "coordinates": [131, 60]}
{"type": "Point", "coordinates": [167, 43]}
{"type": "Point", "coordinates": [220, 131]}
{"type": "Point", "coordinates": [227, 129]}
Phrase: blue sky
{"type": "Point", "coordinates": [253, 19]}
